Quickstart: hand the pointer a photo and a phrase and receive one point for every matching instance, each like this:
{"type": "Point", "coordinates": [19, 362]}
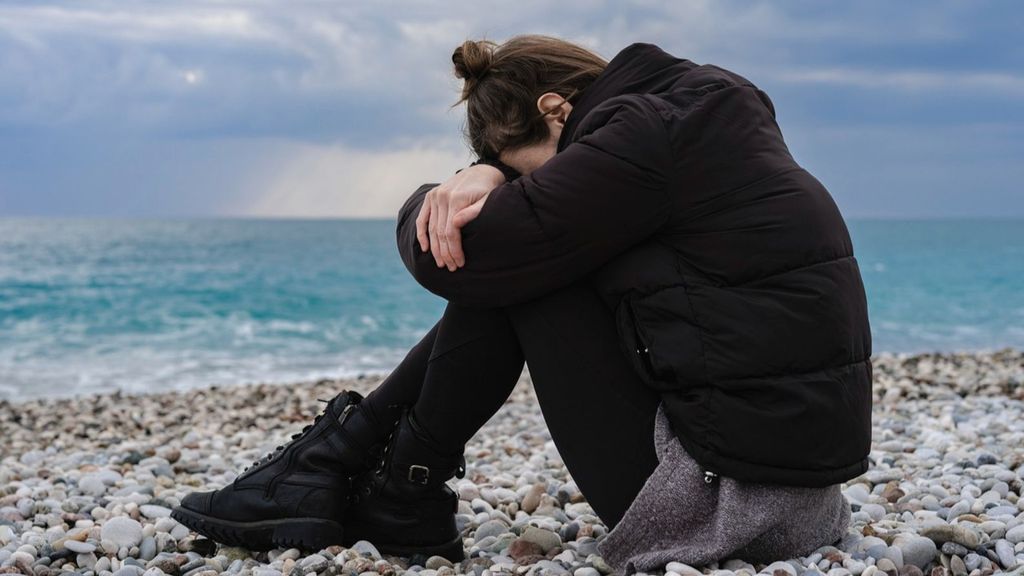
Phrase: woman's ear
{"type": "Point", "coordinates": [556, 107]}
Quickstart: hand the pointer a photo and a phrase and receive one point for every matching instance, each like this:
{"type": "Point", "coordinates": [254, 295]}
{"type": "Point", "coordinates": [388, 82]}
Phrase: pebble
{"type": "Point", "coordinates": [1005, 553]}
{"type": "Point", "coordinates": [958, 533]}
{"type": "Point", "coordinates": [545, 539]}
{"type": "Point", "coordinates": [683, 569]}
{"type": "Point", "coordinates": [79, 547]}
{"type": "Point", "coordinates": [875, 511]}
{"type": "Point", "coordinates": [521, 548]}
{"type": "Point", "coordinates": [946, 474]}
{"type": "Point", "coordinates": [954, 549]}
{"type": "Point", "coordinates": [366, 549]}
{"type": "Point", "coordinates": [437, 562]}
{"type": "Point", "coordinates": [152, 511]}
{"type": "Point", "coordinates": [122, 531]}
{"type": "Point", "coordinates": [490, 528]}
{"type": "Point", "coordinates": [599, 563]}
{"type": "Point", "coordinates": [957, 566]}
{"type": "Point", "coordinates": [917, 550]}
{"type": "Point", "coordinates": [532, 498]}
{"type": "Point", "coordinates": [147, 550]}
{"type": "Point", "coordinates": [314, 563]}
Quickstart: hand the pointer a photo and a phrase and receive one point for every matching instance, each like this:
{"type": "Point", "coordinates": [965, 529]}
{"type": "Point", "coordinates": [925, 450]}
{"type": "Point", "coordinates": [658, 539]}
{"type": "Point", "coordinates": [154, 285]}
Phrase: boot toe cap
{"type": "Point", "coordinates": [198, 501]}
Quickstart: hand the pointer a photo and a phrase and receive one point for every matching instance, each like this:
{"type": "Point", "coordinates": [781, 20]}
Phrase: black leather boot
{"type": "Point", "coordinates": [297, 495]}
{"type": "Point", "coordinates": [404, 507]}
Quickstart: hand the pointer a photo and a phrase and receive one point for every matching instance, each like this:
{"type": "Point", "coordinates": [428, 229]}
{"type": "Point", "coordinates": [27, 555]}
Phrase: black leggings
{"type": "Point", "coordinates": [599, 413]}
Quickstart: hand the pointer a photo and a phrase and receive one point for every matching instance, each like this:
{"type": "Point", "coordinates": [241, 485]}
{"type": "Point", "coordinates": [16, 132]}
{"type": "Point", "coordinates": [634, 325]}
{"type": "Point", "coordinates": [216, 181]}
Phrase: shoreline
{"type": "Point", "coordinates": [377, 374]}
{"type": "Point", "coordinates": [944, 495]}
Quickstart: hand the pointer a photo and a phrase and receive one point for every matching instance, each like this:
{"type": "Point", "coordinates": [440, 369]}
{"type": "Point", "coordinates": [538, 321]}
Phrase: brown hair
{"type": "Point", "coordinates": [503, 82]}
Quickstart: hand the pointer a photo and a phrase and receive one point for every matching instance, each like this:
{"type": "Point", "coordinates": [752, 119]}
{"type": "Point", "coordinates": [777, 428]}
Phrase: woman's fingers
{"type": "Point", "coordinates": [458, 220]}
{"type": "Point", "coordinates": [454, 236]}
{"type": "Point", "coordinates": [435, 241]}
{"type": "Point", "coordinates": [443, 213]}
{"type": "Point", "coordinates": [468, 214]}
{"type": "Point", "coordinates": [444, 209]}
{"type": "Point", "coordinates": [422, 219]}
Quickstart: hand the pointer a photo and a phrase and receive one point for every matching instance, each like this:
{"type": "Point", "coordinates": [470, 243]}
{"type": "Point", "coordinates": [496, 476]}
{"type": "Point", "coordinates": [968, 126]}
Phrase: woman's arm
{"type": "Point", "coordinates": [606, 191]}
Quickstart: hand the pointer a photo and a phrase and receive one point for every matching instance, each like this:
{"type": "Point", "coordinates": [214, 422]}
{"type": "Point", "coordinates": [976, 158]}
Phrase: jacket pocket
{"type": "Point", "coordinates": [664, 341]}
{"type": "Point", "coordinates": [641, 344]}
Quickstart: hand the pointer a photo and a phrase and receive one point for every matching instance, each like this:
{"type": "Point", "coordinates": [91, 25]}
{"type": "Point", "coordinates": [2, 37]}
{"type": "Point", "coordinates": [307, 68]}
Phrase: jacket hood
{"type": "Point", "coordinates": [638, 68]}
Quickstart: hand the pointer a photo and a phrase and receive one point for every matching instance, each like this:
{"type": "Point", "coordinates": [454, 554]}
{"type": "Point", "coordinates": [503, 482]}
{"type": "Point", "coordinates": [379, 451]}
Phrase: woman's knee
{"type": "Point", "coordinates": [460, 326]}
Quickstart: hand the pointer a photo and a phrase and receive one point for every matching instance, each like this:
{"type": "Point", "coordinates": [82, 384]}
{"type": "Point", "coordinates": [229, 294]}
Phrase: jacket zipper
{"type": "Point", "coordinates": [642, 349]}
{"type": "Point", "coordinates": [644, 352]}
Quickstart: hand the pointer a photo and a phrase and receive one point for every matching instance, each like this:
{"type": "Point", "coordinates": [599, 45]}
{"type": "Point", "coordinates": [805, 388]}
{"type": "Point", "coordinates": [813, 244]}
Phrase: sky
{"type": "Point", "coordinates": [341, 109]}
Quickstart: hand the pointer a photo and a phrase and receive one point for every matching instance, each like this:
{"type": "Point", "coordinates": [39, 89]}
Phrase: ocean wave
{"type": "Point", "coordinates": [148, 305]}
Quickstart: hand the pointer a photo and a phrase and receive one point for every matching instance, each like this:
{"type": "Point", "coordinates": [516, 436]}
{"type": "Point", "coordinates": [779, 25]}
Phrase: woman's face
{"type": "Point", "coordinates": [526, 159]}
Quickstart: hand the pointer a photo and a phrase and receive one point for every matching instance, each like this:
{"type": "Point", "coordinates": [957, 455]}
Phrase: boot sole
{"type": "Point", "coordinates": [305, 533]}
{"type": "Point", "coordinates": [452, 550]}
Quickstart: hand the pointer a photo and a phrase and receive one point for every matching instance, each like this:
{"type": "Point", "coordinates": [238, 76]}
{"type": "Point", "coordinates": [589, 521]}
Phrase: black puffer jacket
{"type": "Point", "coordinates": [728, 267]}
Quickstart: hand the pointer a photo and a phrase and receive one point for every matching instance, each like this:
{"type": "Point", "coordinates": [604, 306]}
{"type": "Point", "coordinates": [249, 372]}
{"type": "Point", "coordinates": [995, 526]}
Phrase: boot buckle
{"type": "Point", "coordinates": [421, 478]}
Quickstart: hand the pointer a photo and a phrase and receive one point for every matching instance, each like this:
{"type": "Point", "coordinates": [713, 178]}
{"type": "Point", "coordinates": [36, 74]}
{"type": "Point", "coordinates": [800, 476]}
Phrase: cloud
{"type": "Point", "coordinates": [260, 106]}
{"type": "Point", "coordinates": [135, 22]}
{"type": "Point", "coordinates": [329, 181]}
{"type": "Point", "coordinates": [1002, 82]}
{"type": "Point", "coordinates": [967, 170]}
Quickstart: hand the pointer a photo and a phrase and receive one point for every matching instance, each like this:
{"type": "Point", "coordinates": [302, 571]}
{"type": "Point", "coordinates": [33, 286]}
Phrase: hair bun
{"type": "Point", "coordinates": [473, 59]}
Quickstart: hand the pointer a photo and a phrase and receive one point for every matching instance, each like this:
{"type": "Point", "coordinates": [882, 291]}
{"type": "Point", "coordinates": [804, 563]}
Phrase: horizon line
{"type": "Point", "coordinates": [242, 218]}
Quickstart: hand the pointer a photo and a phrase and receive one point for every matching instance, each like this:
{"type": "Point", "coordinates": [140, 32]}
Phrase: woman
{"type": "Point", "coordinates": [638, 232]}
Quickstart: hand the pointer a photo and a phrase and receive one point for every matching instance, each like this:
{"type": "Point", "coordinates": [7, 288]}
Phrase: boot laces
{"type": "Point", "coordinates": [281, 448]}
{"type": "Point", "coordinates": [365, 483]}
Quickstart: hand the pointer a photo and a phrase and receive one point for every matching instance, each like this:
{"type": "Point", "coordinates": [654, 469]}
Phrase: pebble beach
{"type": "Point", "coordinates": [87, 483]}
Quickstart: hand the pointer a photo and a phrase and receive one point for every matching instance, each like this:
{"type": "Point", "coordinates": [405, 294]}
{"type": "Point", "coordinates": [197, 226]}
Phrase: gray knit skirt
{"type": "Point", "coordinates": [677, 517]}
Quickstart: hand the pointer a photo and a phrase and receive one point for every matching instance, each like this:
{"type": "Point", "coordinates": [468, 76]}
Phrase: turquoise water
{"type": "Point", "coordinates": [94, 305]}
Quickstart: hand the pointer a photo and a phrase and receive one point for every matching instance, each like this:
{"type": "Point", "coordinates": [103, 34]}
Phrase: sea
{"type": "Point", "coordinates": [151, 305]}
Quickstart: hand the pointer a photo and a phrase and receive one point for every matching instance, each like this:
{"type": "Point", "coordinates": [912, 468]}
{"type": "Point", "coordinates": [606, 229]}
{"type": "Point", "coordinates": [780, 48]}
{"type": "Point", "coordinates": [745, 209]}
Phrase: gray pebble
{"type": "Point", "coordinates": [147, 550]}
{"type": "Point", "coordinates": [886, 565]}
{"type": "Point", "coordinates": [953, 549]}
{"type": "Point", "coordinates": [437, 562]}
{"type": "Point", "coordinates": [957, 566]}
{"type": "Point", "coordinates": [86, 560]}
{"type": "Point", "coordinates": [551, 568]}
{"type": "Point", "coordinates": [197, 563]}
{"type": "Point", "coordinates": [780, 565]}
{"type": "Point", "coordinates": [972, 561]}
{"type": "Point", "coordinates": [490, 528]}
{"type": "Point", "coordinates": [314, 563]}
{"type": "Point", "coordinates": [916, 550]}
{"type": "Point", "coordinates": [364, 548]}
{"type": "Point", "coordinates": [586, 546]}
{"type": "Point", "coordinates": [875, 511]}
{"type": "Point", "coordinates": [122, 531]}
{"type": "Point", "coordinates": [546, 539]}
{"type": "Point", "coordinates": [152, 511]}
{"type": "Point", "coordinates": [79, 547]}
{"type": "Point", "coordinates": [877, 551]}
{"type": "Point", "coordinates": [1005, 552]}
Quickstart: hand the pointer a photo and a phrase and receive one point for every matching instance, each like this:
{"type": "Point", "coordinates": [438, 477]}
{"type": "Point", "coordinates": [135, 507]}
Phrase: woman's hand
{"type": "Point", "coordinates": [450, 206]}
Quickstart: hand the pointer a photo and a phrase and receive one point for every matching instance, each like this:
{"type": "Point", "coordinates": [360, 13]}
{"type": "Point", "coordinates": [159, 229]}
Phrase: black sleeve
{"type": "Point", "coordinates": [606, 191]}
